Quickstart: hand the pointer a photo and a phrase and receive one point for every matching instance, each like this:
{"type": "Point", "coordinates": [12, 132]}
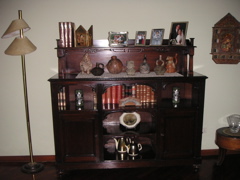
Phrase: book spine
{"type": "Point", "coordinates": [69, 34]}
{"type": "Point", "coordinates": [109, 95]}
{"type": "Point", "coordinates": [65, 34]}
{"type": "Point", "coordinates": [114, 94]}
{"type": "Point", "coordinates": [123, 90]}
{"type": "Point", "coordinates": [148, 94]}
{"type": "Point", "coordinates": [119, 93]}
{"type": "Point", "coordinates": [61, 34]}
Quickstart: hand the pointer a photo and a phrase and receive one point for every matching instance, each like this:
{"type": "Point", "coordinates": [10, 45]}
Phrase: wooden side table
{"type": "Point", "coordinates": [226, 140]}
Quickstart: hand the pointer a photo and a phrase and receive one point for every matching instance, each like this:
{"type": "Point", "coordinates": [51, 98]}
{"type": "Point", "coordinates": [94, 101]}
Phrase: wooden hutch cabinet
{"type": "Point", "coordinates": [169, 134]}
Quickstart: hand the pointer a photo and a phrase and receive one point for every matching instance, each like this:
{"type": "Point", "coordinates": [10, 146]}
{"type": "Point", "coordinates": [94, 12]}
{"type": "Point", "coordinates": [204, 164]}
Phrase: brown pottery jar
{"type": "Point", "coordinates": [114, 65]}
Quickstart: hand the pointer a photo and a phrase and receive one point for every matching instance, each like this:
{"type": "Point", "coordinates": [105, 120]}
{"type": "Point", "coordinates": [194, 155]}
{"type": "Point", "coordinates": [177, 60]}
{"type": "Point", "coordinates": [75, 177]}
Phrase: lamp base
{"type": "Point", "coordinates": [31, 168]}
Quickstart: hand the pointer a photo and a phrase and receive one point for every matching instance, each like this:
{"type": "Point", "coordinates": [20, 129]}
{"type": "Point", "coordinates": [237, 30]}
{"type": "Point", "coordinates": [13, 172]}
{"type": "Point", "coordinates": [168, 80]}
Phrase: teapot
{"type": "Point", "coordinates": [121, 145]}
{"type": "Point", "coordinates": [134, 148]}
{"type": "Point", "coordinates": [98, 70]}
{"type": "Point", "coordinates": [160, 69]}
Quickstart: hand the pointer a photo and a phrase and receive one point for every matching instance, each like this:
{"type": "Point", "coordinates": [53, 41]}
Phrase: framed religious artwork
{"type": "Point", "coordinates": [118, 39]}
{"type": "Point", "coordinates": [226, 41]}
{"type": "Point", "coordinates": [84, 38]}
{"type": "Point", "coordinates": [157, 37]}
{"type": "Point", "coordinates": [178, 33]}
{"type": "Point", "coordinates": [140, 38]}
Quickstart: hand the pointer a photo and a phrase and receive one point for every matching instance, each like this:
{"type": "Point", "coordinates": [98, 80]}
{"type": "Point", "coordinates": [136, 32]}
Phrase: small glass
{"type": "Point", "coordinates": [79, 98]}
{"type": "Point", "coordinates": [176, 95]}
{"type": "Point", "coordinates": [234, 123]}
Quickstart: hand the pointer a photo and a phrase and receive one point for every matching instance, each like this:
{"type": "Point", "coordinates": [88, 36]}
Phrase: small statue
{"type": "Point", "coordinates": [160, 68]}
{"type": "Point", "coordinates": [171, 64]}
{"type": "Point", "coordinates": [86, 64]}
{"type": "Point", "coordinates": [144, 67]}
{"type": "Point", "coordinates": [130, 68]}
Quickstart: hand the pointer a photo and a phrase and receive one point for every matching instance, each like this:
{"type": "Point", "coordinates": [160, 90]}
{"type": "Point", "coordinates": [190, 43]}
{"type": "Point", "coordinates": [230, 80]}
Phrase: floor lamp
{"type": "Point", "coordinates": [19, 47]}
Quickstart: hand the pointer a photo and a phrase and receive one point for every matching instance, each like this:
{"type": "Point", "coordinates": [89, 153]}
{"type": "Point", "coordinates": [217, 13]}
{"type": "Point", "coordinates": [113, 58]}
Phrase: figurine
{"type": "Point", "coordinates": [144, 67]}
{"type": "Point", "coordinates": [130, 68]}
{"type": "Point", "coordinates": [160, 69]}
{"type": "Point", "coordinates": [86, 64]}
{"type": "Point", "coordinates": [171, 64]}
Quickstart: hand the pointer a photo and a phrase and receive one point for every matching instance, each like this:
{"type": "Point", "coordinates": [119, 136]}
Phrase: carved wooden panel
{"type": "Point", "coordinates": [226, 41]}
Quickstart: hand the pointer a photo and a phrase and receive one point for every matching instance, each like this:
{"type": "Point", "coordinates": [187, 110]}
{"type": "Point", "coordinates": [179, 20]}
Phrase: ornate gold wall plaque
{"type": "Point", "coordinates": [226, 41]}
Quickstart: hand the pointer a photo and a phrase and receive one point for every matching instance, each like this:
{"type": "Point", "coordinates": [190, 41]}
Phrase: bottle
{"type": "Point", "coordinates": [144, 67]}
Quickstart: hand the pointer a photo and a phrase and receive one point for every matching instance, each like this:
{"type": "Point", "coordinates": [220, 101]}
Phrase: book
{"type": "Point", "coordinates": [66, 34]}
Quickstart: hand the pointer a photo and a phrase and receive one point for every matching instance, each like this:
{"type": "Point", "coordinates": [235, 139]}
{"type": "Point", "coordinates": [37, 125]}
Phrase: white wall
{"type": "Point", "coordinates": [222, 89]}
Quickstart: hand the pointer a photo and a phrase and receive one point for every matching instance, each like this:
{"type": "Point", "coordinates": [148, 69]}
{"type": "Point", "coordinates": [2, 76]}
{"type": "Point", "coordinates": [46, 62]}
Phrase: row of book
{"type": "Point", "coordinates": [114, 93]}
{"type": "Point", "coordinates": [66, 34]}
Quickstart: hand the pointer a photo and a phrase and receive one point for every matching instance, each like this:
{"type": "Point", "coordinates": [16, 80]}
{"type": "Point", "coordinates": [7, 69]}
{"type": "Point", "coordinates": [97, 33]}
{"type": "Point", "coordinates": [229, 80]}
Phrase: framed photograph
{"type": "Point", "coordinates": [140, 39]}
{"type": "Point", "coordinates": [156, 37]}
{"type": "Point", "coordinates": [118, 39]}
{"type": "Point", "coordinates": [178, 33]}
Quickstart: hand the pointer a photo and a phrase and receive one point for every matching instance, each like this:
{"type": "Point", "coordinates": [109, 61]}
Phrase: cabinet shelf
{"type": "Point", "coordinates": [144, 106]}
{"type": "Point", "coordinates": [184, 103]}
{"type": "Point", "coordinates": [146, 153]}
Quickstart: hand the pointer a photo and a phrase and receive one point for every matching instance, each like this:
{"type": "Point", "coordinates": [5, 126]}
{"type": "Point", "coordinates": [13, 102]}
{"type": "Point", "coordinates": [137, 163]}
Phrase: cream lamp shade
{"type": "Point", "coordinates": [20, 46]}
{"type": "Point", "coordinates": [14, 27]}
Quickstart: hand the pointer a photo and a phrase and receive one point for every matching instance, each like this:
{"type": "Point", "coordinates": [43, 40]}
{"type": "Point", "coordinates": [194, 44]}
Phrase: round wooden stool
{"type": "Point", "coordinates": [226, 140]}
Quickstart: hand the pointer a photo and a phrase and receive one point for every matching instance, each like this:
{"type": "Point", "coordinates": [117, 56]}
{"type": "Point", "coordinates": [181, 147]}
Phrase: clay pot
{"type": "Point", "coordinates": [98, 70]}
{"type": "Point", "coordinates": [114, 65]}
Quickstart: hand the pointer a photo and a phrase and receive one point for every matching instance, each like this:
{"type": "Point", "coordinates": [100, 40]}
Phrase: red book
{"type": "Point", "coordinates": [114, 94]}
{"type": "Point", "coordinates": [104, 98]}
{"type": "Point", "coordinates": [119, 93]}
{"type": "Point", "coordinates": [109, 95]}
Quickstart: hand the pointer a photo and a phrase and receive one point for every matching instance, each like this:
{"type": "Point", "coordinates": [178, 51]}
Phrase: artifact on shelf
{"type": "Point", "coordinates": [66, 34]}
{"type": "Point", "coordinates": [134, 148]}
{"type": "Point", "coordinates": [144, 67]}
{"type": "Point", "coordinates": [121, 146]}
{"type": "Point", "coordinates": [130, 68]}
{"type": "Point", "coordinates": [171, 64]}
{"type": "Point", "coordinates": [86, 64]}
{"type": "Point", "coordinates": [225, 41]}
{"type": "Point", "coordinates": [129, 101]}
{"type": "Point", "coordinates": [234, 123]}
{"type": "Point", "coordinates": [160, 68]}
{"type": "Point", "coordinates": [114, 65]}
{"type": "Point", "coordinates": [79, 99]}
{"type": "Point", "coordinates": [130, 120]}
{"type": "Point", "coordinates": [176, 96]}
{"type": "Point", "coordinates": [98, 70]}
{"type": "Point", "coordinates": [84, 38]}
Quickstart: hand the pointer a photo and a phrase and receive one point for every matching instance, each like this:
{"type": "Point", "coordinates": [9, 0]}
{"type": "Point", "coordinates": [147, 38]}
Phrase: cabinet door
{"type": "Point", "coordinates": [79, 137]}
{"type": "Point", "coordinates": [178, 136]}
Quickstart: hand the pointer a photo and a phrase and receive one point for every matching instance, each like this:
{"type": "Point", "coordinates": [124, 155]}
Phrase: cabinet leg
{"type": "Point", "coordinates": [221, 156]}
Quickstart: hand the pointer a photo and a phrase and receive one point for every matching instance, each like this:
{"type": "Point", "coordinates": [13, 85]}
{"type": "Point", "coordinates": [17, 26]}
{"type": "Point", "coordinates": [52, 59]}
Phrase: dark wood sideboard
{"type": "Point", "coordinates": [170, 135]}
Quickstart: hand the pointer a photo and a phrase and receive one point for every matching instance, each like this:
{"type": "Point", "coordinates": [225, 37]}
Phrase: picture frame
{"type": "Point", "coordinates": [178, 33]}
{"type": "Point", "coordinates": [118, 39]}
{"type": "Point", "coordinates": [157, 37]}
{"type": "Point", "coordinates": [140, 38]}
